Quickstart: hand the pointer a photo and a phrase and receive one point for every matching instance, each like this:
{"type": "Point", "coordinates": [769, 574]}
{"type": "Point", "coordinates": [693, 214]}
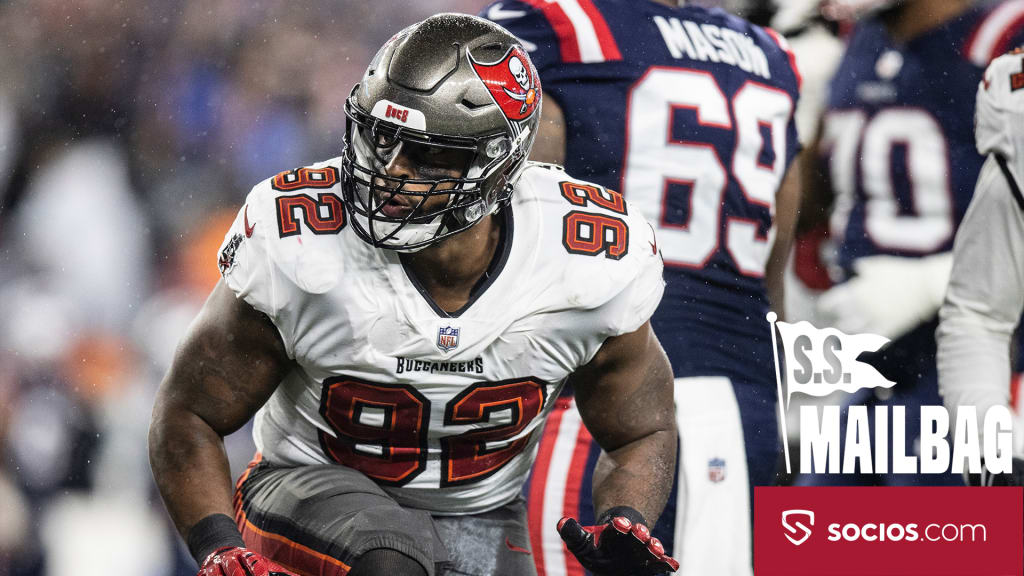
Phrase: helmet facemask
{"type": "Point", "coordinates": [453, 185]}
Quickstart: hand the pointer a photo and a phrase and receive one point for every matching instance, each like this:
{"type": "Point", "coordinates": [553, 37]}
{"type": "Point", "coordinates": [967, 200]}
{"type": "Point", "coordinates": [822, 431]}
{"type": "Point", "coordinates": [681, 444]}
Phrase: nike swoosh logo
{"type": "Point", "coordinates": [248, 229]}
{"type": "Point", "coordinates": [654, 241]}
{"type": "Point", "coordinates": [497, 13]}
{"type": "Point", "coordinates": [515, 548]}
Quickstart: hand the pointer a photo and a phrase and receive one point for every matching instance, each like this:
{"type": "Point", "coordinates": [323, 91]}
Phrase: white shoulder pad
{"type": "Point", "coordinates": [285, 238]}
{"type": "Point", "coordinates": [1000, 110]}
{"type": "Point", "coordinates": [600, 252]}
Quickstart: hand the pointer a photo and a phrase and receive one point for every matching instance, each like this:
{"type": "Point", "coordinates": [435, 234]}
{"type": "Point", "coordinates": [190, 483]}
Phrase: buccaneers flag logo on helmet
{"type": "Point", "coordinates": [512, 82]}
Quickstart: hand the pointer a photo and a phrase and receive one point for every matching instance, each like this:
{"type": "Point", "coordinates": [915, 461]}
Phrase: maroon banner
{"type": "Point", "coordinates": [892, 531]}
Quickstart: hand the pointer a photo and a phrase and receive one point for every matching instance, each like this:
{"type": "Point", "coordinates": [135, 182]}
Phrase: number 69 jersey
{"type": "Point", "coordinates": [441, 409]}
{"type": "Point", "coordinates": [688, 112]}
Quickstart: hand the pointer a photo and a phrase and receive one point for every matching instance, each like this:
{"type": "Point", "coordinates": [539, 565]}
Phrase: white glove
{"type": "Point", "coordinates": [889, 295]}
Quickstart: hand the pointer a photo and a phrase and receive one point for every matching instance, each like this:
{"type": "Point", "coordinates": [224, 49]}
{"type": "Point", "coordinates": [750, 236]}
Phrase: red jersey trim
{"type": "Point", "coordinates": [993, 34]}
{"type": "Point", "coordinates": [582, 31]}
{"type": "Point", "coordinates": [784, 45]}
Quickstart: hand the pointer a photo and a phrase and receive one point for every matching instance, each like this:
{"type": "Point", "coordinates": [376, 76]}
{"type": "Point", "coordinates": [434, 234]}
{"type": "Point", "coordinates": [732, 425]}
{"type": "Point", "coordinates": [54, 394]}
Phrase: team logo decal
{"type": "Point", "coordinates": [398, 114]}
{"type": "Point", "coordinates": [227, 254]}
{"type": "Point", "coordinates": [716, 470]}
{"type": "Point", "coordinates": [447, 338]}
{"type": "Point", "coordinates": [512, 82]}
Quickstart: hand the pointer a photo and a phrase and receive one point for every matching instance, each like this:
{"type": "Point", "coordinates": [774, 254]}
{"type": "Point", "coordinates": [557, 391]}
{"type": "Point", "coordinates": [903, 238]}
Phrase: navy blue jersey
{"type": "Point", "coordinates": [899, 135]}
{"type": "Point", "coordinates": [688, 112]}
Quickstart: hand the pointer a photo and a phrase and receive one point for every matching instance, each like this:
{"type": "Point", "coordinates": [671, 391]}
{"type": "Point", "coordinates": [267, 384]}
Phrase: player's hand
{"type": "Point", "coordinates": [1014, 478]}
{"type": "Point", "coordinates": [889, 295]}
{"type": "Point", "coordinates": [234, 561]}
{"type": "Point", "coordinates": [617, 547]}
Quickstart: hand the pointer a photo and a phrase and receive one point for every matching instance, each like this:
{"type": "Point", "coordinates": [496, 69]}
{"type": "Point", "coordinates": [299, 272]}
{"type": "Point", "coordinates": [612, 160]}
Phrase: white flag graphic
{"type": "Point", "coordinates": [820, 361]}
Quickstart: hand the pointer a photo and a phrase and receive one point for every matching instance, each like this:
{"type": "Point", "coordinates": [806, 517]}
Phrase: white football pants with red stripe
{"type": "Point", "coordinates": [711, 532]}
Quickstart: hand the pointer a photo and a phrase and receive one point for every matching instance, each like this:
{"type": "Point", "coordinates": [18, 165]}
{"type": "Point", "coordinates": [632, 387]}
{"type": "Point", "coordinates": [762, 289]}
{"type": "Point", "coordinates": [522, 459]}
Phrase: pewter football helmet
{"type": "Point", "coordinates": [458, 98]}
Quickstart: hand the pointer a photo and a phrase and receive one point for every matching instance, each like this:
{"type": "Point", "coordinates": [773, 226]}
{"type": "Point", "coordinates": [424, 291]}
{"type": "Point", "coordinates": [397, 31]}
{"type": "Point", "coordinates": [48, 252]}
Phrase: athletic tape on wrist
{"type": "Point", "coordinates": [213, 532]}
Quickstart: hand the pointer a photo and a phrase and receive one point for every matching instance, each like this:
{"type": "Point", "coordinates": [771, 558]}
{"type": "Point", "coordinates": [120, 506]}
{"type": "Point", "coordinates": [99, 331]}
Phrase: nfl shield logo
{"type": "Point", "coordinates": [716, 470]}
{"type": "Point", "coordinates": [447, 338]}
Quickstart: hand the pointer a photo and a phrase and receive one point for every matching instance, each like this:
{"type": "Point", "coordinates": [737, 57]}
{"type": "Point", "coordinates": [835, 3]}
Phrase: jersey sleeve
{"type": "Point", "coordinates": [640, 297]}
{"type": "Point", "coordinates": [531, 26]}
{"type": "Point", "coordinates": [1000, 111]}
{"type": "Point", "coordinates": [817, 53]}
{"type": "Point", "coordinates": [999, 30]}
{"type": "Point", "coordinates": [244, 258]}
{"type": "Point", "coordinates": [790, 82]}
{"type": "Point", "coordinates": [614, 285]}
{"type": "Point", "coordinates": [985, 296]}
{"type": "Point", "coordinates": [254, 264]}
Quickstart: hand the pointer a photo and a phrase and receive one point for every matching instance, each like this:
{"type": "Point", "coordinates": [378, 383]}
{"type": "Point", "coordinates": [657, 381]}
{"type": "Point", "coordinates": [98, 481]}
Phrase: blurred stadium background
{"type": "Point", "coordinates": [130, 132]}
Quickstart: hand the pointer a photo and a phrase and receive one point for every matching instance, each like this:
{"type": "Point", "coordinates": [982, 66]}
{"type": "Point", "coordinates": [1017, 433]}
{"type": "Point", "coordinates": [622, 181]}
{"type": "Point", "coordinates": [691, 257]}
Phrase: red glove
{"type": "Point", "coordinates": [234, 561]}
{"type": "Point", "coordinates": [618, 547]}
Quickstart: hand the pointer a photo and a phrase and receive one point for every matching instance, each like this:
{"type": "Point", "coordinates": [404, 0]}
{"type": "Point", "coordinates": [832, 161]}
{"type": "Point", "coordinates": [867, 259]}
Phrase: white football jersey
{"type": "Point", "coordinates": [985, 297]}
{"type": "Point", "coordinates": [443, 410]}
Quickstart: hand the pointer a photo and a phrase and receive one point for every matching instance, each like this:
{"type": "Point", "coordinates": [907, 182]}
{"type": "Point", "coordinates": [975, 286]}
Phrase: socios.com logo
{"type": "Point", "coordinates": [795, 523]}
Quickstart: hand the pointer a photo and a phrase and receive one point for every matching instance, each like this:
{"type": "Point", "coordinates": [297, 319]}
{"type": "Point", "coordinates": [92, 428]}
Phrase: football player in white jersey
{"type": "Point", "coordinates": [400, 321]}
{"type": "Point", "coordinates": [985, 297]}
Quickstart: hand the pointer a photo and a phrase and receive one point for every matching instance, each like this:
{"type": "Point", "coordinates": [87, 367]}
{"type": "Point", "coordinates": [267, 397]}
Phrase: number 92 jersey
{"type": "Point", "coordinates": [898, 133]}
{"type": "Point", "coordinates": [688, 111]}
{"type": "Point", "coordinates": [441, 409]}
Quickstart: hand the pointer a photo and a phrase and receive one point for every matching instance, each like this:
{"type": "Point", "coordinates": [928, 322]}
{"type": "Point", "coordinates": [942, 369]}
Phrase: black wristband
{"type": "Point", "coordinates": [213, 532]}
{"type": "Point", "coordinates": [632, 514]}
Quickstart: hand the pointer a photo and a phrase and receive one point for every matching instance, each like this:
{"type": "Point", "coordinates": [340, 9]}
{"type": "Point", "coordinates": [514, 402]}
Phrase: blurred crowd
{"type": "Point", "coordinates": [130, 132]}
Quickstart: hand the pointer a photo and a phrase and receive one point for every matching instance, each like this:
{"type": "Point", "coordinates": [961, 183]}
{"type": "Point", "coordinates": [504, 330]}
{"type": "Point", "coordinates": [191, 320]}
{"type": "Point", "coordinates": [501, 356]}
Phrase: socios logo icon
{"type": "Point", "coordinates": [796, 522]}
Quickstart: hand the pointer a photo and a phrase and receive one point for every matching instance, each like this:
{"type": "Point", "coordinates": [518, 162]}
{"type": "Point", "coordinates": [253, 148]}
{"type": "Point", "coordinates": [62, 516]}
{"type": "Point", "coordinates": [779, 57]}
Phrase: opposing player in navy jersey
{"type": "Point", "coordinates": [899, 149]}
{"type": "Point", "coordinates": [688, 112]}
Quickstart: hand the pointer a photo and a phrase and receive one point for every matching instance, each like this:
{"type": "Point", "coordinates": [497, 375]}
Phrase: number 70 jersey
{"type": "Point", "coordinates": [688, 112]}
{"type": "Point", "coordinates": [898, 134]}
